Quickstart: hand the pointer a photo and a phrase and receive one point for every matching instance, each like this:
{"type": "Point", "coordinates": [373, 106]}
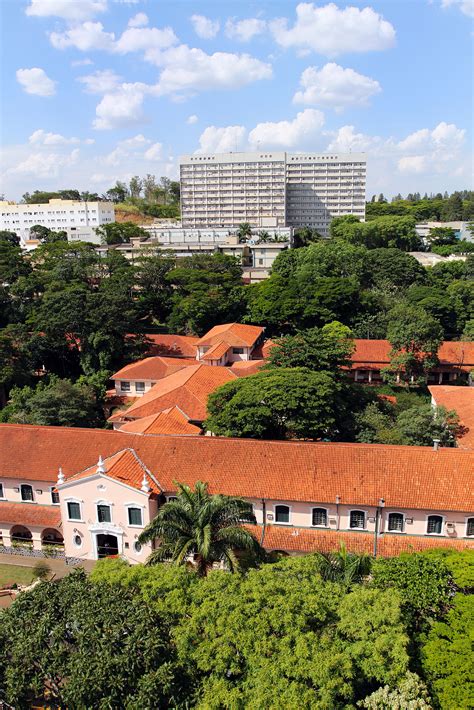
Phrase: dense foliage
{"type": "Point", "coordinates": [282, 635]}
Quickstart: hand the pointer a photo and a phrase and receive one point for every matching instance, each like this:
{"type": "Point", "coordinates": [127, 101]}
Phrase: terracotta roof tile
{"type": "Point", "coordinates": [304, 540]}
{"type": "Point", "coordinates": [172, 345]}
{"type": "Point", "coordinates": [30, 514]}
{"type": "Point", "coordinates": [216, 351]}
{"type": "Point", "coordinates": [124, 466]}
{"type": "Point", "coordinates": [461, 399]}
{"type": "Point", "coordinates": [405, 476]}
{"type": "Point", "coordinates": [373, 354]}
{"type": "Point", "coordinates": [187, 389]}
{"type": "Point", "coordinates": [169, 421]}
{"type": "Point", "coordinates": [234, 334]}
{"type": "Point", "coordinates": [243, 368]}
{"type": "Point", "coordinates": [152, 368]}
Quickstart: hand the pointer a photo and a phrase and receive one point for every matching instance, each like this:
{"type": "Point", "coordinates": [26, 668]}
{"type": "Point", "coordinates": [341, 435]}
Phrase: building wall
{"type": "Point", "coordinates": [271, 189]}
{"type": "Point", "coordinates": [56, 215]}
{"type": "Point", "coordinates": [133, 392]}
{"type": "Point", "coordinates": [41, 490]}
{"type": "Point", "coordinates": [339, 518]}
{"type": "Point", "coordinates": [88, 493]}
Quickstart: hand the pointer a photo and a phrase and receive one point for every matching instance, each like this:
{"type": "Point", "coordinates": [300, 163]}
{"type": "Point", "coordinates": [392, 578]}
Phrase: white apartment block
{"type": "Point", "coordinates": [56, 214]}
{"type": "Point", "coordinates": [271, 189]}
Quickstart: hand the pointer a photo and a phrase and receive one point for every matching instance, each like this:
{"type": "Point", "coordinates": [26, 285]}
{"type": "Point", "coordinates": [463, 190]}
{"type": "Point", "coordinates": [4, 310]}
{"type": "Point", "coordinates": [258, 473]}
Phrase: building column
{"type": "Point", "coordinates": [370, 377]}
{"type": "Point", "coordinates": [36, 537]}
{"type": "Point", "coordinates": [440, 378]}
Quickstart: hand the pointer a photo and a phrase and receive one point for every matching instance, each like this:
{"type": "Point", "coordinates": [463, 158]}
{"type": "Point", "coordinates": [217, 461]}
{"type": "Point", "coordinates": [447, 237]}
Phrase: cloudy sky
{"type": "Point", "coordinates": [100, 90]}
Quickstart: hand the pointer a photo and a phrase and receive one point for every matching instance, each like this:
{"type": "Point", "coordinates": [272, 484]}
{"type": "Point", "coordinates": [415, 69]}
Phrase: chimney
{"type": "Point", "coordinates": [436, 443]}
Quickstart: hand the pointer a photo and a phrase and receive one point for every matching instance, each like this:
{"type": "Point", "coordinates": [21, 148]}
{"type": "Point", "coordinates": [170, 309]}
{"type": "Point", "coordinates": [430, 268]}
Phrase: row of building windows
{"type": "Point", "coordinates": [27, 493]}
{"type": "Point", "coordinates": [357, 520]}
{"type": "Point", "coordinates": [104, 513]}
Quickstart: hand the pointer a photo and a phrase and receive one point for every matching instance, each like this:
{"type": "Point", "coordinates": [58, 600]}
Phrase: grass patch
{"type": "Point", "coordinates": [9, 574]}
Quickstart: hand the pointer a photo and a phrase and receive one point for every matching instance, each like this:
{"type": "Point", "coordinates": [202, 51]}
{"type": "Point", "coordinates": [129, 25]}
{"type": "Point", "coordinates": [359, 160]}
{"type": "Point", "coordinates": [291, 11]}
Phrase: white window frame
{"type": "Point", "coordinates": [140, 551]}
{"type": "Point", "coordinates": [396, 512]}
{"type": "Point", "coordinates": [32, 493]}
{"type": "Point", "coordinates": [74, 540]}
{"type": "Point", "coordinates": [51, 491]}
{"type": "Point", "coordinates": [80, 504]}
{"type": "Point", "coordinates": [319, 507]}
{"type": "Point", "coordinates": [358, 510]}
{"type": "Point", "coordinates": [468, 518]}
{"type": "Point", "coordinates": [140, 382]}
{"type": "Point", "coordinates": [128, 386]}
{"type": "Point", "coordinates": [278, 505]}
{"type": "Point", "coordinates": [135, 505]}
{"type": "Point", "coordinates": [109, 506]}
{"type": "Point", "coordinates": [442, 524]}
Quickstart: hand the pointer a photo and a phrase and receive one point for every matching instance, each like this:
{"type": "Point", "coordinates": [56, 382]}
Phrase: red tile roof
{"type": "Point", "coordinates": [172, 345]}
{"type": "Point", "coordinates": [405, 476]}
{"type": "Point", "coordinates": [461, 399]}
{"type": "Point", "coordinates": [262, 350]}
{"type": "Point", "coordinates": [187, 389]}
{"type": "Point", "coordinates": [124, 466]}
{"type": "Point", "coordinates": [234, 334]}
{"type": "Point", "coordinates": [216, 351]}
{"type": "Point", "coordinates": [169, 421]}
{"type": "Point", "coordinates": [48, 516]}
{"type": "Point", "coordinates": [243, 368]}
{"type": "Point", "coordinates": [152, 368]}
{"type": "Point", "coordinates": [304, 540]}
{"type": "Point", "coordinates": [373, 354]}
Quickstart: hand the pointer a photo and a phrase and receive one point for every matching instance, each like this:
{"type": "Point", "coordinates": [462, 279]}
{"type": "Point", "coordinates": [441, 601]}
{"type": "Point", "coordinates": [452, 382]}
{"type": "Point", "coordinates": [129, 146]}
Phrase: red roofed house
{"type": "Point", "coordinates": [229, 343]}
{"type": "Point", "coordinates": [99, 488]}
{"type": "Point", "coordinates": [187, 389]}
{"type": "Point", "coordinates": [456, 361]}
{"type": "Point", "coordinates": [137, 378]}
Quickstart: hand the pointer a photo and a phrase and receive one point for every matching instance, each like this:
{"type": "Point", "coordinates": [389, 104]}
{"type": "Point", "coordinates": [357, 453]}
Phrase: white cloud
{"type": "Point", "coordinates": [244, 30]}
{"type": "Point", "coordinates": [465, 6]}
{"type": "Point", "coordinates": [122, 108]}
{"type": "Point", "coordinates": [100, 82]}
{"type": "Point", "coordinates": [189, 70]}
{"type": "Point", "coordinates": [154, 152]}
{"type": "Point", "coordinates": [71, 10]}
{"type": "Point", "coordinates": [87, 36]}
{"type": "Point", "coordinates": [431, 149]}
{"type": "Point", "coordinates": [221, 140]}
{"type": "Point", "coordinates": [40, 137]}
{"type": "Point", "coordinates": [413, 164]}
{"type": "Point", "coordinates": [36, 81]}
{"type": "Point", "coordinates": [137, 39]}
{"type": "Point", "coordinates": [192, 119]}
{"type": "Point", "coordinates": [346, 140]}
{"type": "Point", "coordinates": [45, 164]}
{"type": "Point", "coordinates": [138, 20]}
{"type": "Point", "coordinates": [81, 62]}
{"type": "Point", "coordinates": [204, 27]}
{"type": "Point", "coordinates": [304, 130]}
{"type": "Point", "coordinates": [336, 87]}
{"type": "Point", "coordinates": [330, 30]}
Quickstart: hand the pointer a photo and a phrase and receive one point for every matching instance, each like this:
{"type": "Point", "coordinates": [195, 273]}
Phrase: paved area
{"type": "Point", "coordinates": [58, 567]}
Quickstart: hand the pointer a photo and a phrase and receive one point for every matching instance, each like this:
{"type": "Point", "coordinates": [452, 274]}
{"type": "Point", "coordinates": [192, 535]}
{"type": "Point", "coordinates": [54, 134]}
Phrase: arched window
{"type": "Point", "coordinates": [434, 525]}
{"type": "Point", "coordinates": [470, 527]}
{"type": "Point", "coordinates": [26, 492]}
{"type": "Point", "coordinates": [396, 522]}
{"type": "Point", "coordinates": [282, 514]}
{"type": "Point", "coordinates": [320, 517]}
{"type": "Point", "coordinates": [357, 519]}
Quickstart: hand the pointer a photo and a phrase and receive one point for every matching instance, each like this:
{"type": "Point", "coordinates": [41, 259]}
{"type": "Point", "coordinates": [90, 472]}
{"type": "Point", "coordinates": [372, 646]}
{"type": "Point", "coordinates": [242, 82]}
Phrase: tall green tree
{"type": "Point", "coordinates": [77, 644]}
{"type": "Point", "coordinates": [415, 338]}
{"type": "Point", "coordinates": [206, 528]}
{"type": "Point", "coordinates": [284, 403]}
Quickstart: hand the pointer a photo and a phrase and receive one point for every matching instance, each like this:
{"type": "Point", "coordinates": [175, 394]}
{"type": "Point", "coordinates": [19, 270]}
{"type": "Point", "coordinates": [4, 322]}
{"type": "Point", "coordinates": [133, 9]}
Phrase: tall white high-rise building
{"type": "Point", "coordinates": [56, 214]}
{"type": "Point", "coordinates": [271, 189]}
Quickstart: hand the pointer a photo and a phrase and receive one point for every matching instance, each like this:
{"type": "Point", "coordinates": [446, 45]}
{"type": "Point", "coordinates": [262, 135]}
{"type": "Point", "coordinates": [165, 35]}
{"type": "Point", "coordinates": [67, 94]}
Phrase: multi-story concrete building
{"type": "Point", "coordinates": [271, 189]}
{"type": "Point", "coordinates": [56, 215]}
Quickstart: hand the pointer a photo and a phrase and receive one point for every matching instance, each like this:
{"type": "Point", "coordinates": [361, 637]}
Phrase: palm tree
{"type": "Point", "coordinates": [207, 527]}
{"type": "Point", "coordinates": [342, 566]}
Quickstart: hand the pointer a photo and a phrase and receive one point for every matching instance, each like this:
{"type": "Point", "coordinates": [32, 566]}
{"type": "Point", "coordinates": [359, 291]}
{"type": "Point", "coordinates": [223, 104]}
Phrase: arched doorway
{"type": "Point", "coordinates": [19, 533]}
{"type": "Point", "coordinates": [52, 537]}
{"type": "Point", "coordinates": [107, 545]}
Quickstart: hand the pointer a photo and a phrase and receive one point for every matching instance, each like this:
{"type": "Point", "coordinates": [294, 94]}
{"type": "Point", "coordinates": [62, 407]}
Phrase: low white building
{"type": "Point", "coordinates": [57, 215]}
{"type": "Point", "coordinates": [423, 229]}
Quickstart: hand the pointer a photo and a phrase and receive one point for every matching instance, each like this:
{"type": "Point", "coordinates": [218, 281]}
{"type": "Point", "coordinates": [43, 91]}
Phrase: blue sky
{"type": "Point", "coordinates": [100, 90]}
